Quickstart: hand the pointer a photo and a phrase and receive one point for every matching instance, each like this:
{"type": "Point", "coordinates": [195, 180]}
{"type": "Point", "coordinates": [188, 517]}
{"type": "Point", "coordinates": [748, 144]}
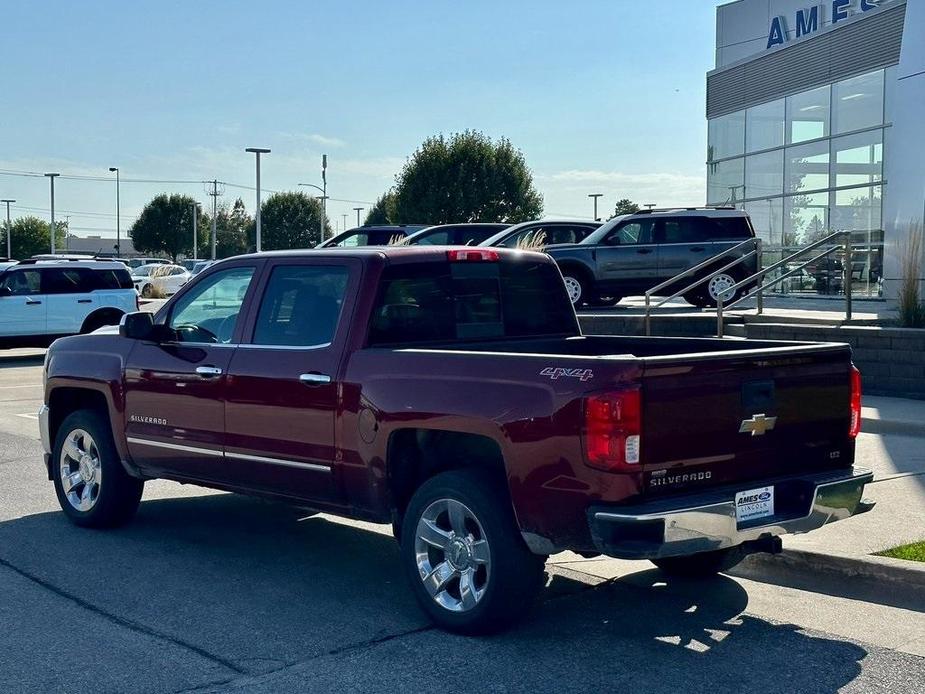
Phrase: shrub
{"type": "Point", "coordinates": [911, 307]}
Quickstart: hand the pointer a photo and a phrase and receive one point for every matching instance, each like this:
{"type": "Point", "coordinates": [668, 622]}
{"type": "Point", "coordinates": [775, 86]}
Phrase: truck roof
{"type": "Point", "coordinates": [394, 254]}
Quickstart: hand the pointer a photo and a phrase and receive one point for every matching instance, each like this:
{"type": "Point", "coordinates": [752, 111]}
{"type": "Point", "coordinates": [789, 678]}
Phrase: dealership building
{"type": "Point", "coordinates": [816, 123]}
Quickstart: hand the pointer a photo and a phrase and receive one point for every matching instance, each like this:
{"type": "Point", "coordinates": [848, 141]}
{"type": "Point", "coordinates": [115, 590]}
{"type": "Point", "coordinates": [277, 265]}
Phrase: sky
{"type": "Point", "coordinates": [601, 97]}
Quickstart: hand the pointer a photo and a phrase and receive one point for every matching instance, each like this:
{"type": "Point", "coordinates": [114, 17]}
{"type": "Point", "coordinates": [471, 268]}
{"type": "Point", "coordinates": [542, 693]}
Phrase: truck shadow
{"type": "Point", "coordinates": [277, 595]}
{"type": "Point", "coordinates": [16, 359]}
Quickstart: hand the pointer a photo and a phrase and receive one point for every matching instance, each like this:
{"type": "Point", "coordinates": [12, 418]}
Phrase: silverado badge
{"type": "Point", "coordinates": [758, 425]}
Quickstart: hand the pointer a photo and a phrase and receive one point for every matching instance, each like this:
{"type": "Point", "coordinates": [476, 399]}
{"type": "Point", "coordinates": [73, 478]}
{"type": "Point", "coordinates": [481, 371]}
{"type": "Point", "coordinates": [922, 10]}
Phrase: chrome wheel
{"type": "Point", "coordinates": [573, 287]}
{"type": "Point", "coordinates": [719, 286]}
{"type": "Point", "coordinates": [452, 555]}
{"type": "Point", "coordinates": [80, 469]}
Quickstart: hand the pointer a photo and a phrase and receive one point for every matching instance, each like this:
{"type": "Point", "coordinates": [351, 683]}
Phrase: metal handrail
{"type": "Point", "coordinates": [831, 240]}
{"type": "Point", "coordinates": [693, 270]}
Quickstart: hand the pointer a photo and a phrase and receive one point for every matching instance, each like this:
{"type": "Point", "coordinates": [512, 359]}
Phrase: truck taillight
{"type": "Point", "coordinates": [613, 424]}
{"type": "Point", "coordinates": [458, 255]}
{"type": "Point", "coordinates": [855, 427]}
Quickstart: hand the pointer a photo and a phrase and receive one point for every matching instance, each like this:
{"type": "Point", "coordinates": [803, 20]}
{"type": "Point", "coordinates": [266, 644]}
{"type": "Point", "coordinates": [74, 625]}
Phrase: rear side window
{"type": "Point", "coordinates": [729, 228]}
{"type": "Point", "coordinates": [301, 305]}
{"type": "Point", "coordinates": [685, 230]}
{"type": "Point", "coordinates": [113, 279]}
{"type": "Point", "coordinates": [446, 302]}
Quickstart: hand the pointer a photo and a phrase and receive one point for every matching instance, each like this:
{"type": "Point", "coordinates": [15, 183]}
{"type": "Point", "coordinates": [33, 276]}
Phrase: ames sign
{"type": "Point", "coordinates": [810, 19]}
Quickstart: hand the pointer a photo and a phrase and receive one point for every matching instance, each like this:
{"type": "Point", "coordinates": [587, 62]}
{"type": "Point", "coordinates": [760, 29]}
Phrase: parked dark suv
{"type": "Point", "coordinates": [632, 253]}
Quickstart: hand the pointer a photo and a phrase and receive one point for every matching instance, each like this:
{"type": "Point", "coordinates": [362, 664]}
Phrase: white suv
{"type": "Point", "coordinates": [42, 300]}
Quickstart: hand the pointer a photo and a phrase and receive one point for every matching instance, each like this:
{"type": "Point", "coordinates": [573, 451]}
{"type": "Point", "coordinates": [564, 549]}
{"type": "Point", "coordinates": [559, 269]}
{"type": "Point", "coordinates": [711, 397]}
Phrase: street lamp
{"type": "Point", "coordinates": [258, 151]}
{"type": "Point", "coordinates": [323, 198]}
{"type": "Point", "coordinates": [118, 230]}
{"type": "Point", "coordinates": [595, 196]}
{"type": "Point", "coordinates": [9, 229]}
{"type": "Point", "coordinates": [51, 178]}
{"type": "Point", "coordinates": [358, 210]}
{"type": "Point", "coordinates": [195, 206]}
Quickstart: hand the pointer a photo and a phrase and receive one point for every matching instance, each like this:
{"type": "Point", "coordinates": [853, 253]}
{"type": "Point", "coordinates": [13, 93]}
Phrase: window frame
{"type": "Point", "coordinates": [258, 290]}
{"type": "Point", "coordinates": [11, 271]}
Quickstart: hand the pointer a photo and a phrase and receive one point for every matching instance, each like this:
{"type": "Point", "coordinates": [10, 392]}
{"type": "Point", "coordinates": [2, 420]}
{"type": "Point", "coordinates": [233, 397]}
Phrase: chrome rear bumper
{"type": "Point", "coordinates": [702, 523]}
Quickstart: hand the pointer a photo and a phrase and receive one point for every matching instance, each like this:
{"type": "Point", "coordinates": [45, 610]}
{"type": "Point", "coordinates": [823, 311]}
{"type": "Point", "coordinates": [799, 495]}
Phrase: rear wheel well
{"type": "Point", "coordinates": [578, 271]}
{"type": "Point", "coordinates": [64, 401]}
{"type": "Point", "coordinates": [416, 455]}
{"type": "Point", "coordinates": [101, 317]}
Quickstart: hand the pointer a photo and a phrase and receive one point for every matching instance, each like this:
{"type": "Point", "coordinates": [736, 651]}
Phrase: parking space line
{"type": "Point", "coordinates": [28, 415]}
{"type": "Point", "coordinates": [30, 385]}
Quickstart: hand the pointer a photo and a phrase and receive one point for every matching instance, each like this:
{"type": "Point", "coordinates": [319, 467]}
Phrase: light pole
{"type": "Point", "coordinates": [358, 210]}
{"type": "Point", "coordinates": [9, 229]}
{"type": "Point", "coordinates": [195, 206]}
{"type": "Point", "coordinates": [258, 151]}
{"type": "Point", "coordinates": [595, 196]}
{"type": "Point", "coordinates": [322, 198]}
{"type": "Point", "coordinates": [345, 221]}
{"type": "Point", "coordinates": [118, 229]}
{"type": "Point", "coordinates": [51, 178]}
{"type": "Point", "coordinates": [324, 192]}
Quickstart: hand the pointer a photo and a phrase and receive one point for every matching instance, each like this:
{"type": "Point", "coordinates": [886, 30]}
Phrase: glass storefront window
{"type": "Point", "coordinates": [725, 181]}
{"type": "Point", "coordinates": [764, 126]}
{"type": "Point", "coordinates": [857, 209]}
{"type": "Point", "coordinates": [806, 218]}
{"type": "Point", "coordinates": [808, 115]}
{"type": "Point", "coordinates": [807, 167]}
{"type": "Point", "coordinates": [857, 159]}
{"type": "Point", "coordinates": [857, 103]}
{"type": "Point", "coordinates": [726, 136]}
{"type": "Point", "coordinates": [764, 174]}
{"type": "Point", "coordinates": [768, 219]}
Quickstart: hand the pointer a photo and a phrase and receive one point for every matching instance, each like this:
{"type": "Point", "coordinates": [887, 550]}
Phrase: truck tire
{"type": "Point", "coordinates": [702, 564]}
{"type": "Point", "coordinates": [93, 489]}
{"type": "Point", "coordinates": [463, 554]}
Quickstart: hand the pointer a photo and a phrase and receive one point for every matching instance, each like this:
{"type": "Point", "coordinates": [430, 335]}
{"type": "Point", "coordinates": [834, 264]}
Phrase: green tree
{"type": "Point", "coordinates": [625, 206]}
{"type": "Point", "coordinates": [31, 236]}
{"type": "Point", "coordinates": [231, 229]}
{"type": "Point", "coordinates": [465, 178]}
{"type": "Point", "coordinates": [383, 211]}
{"type": "Point", "coordinates": [166, 226]}
{"type": "Point", "coordinates": [289, 220]}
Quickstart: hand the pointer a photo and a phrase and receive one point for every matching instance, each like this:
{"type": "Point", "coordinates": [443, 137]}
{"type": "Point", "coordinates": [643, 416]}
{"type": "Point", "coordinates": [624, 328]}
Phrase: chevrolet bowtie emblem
{"type": "Point", "coordinates": [757, 425]}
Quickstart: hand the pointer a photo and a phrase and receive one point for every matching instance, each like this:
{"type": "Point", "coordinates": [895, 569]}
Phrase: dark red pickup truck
{"type": "Point", "coordinates": [450, 392]}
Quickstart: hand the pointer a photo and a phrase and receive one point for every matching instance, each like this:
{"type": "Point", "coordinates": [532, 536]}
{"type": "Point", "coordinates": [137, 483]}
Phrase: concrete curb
{"type": "Point", "coordinates": [910, 574]}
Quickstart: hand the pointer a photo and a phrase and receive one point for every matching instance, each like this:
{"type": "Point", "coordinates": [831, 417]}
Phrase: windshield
{"type": "Point", "coordinates": [144, 270]}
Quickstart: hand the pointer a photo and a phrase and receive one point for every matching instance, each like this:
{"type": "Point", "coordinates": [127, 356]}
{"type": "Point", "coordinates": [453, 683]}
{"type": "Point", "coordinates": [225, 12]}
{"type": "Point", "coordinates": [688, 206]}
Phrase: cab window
{"type": "Point", "coordinates": [209, 311]}
{"type": "Point", "coordinates": [685, 230]}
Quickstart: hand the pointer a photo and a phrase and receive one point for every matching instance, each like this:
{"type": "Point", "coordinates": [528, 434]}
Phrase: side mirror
{"type": "Point", "coordinates": [137, 326]}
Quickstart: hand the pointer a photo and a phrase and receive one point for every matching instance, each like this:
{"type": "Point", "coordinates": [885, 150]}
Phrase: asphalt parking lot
{"type": "Point", "coordinates": [211, 591]}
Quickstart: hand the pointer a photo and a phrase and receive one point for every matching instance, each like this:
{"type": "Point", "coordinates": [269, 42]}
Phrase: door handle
{"type": "Point", "coordinates": [643, 251]}
{"type": "Point", "coordinates": [314, 379]}
{"type": "Point", "coordinates": [33, 302]}
{"type": "Point", "coordinates": [85, 301]}
{"type": "Point", "coordinates": [208, 371]}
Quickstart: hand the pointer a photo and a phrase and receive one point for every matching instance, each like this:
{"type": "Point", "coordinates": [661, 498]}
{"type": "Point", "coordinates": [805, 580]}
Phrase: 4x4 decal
{"type": "Point", "coordinates": [555, 372]}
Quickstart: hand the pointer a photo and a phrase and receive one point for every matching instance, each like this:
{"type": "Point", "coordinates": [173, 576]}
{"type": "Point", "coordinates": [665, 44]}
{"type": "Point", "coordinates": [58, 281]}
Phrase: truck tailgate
{"type": "Point", "coordinates": [720, 418]}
